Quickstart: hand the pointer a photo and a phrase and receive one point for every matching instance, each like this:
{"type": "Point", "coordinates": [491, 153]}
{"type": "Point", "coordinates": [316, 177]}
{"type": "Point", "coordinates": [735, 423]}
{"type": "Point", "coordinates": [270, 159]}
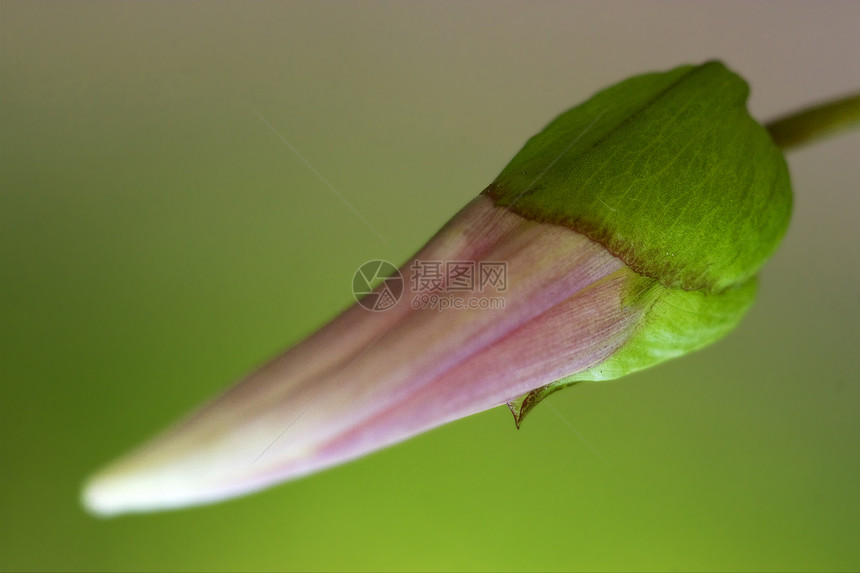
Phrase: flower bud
{"type": "Point", "coordinates": [631, 230]}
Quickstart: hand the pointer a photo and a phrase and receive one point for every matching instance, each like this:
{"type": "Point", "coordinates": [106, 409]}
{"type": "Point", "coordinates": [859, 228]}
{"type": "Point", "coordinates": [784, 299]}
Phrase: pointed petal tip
{"type": "Point", "coordinates": [119, 489]}
{"type": "Point", "coordinates": [101, 498]}
{"type": "Point", "coordinates": [108, 495]}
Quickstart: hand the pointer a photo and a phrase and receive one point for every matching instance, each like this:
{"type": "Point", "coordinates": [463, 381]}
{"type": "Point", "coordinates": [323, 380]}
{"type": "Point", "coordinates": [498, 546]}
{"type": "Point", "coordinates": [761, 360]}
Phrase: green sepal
{"type": "Point", "coordinates": [522, 405]}
{"type": "Point", "coordinates": [673, 322]}
{"type": "Point", "coordinates": [667, 170]}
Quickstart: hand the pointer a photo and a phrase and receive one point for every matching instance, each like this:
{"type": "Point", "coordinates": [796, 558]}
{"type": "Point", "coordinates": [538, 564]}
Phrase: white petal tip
{"type": "Point", "coordinates": [107, 496]}
{"type": "Point", "coordinates": [113, 492]}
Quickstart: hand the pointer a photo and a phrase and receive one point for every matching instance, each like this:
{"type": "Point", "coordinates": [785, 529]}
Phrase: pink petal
{"type": "Point", "coordinates": [371, 379]}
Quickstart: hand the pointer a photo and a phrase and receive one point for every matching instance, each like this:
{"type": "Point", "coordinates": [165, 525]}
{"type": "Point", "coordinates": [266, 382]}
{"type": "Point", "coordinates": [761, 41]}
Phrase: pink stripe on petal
{"type": "Point", "coordinates": [572, 336]}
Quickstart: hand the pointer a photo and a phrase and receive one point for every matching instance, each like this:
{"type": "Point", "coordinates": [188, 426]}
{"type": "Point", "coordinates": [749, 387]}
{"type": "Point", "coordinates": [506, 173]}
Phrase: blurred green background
{"type": "Point", "coordinates": [158, 241]}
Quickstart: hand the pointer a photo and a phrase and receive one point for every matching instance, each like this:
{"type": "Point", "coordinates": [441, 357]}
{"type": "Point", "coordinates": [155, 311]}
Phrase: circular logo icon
{"type": "Point", "coordinates": [377, 285]}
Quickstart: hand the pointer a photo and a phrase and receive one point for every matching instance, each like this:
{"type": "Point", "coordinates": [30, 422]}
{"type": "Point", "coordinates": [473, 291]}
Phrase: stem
{"type": "Point", "coordinates": [807, 125]}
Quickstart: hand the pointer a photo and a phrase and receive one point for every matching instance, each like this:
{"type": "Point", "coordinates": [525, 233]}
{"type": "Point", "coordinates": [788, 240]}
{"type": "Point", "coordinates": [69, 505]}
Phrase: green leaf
{"type": "Point", "coordinates": [667, 170]}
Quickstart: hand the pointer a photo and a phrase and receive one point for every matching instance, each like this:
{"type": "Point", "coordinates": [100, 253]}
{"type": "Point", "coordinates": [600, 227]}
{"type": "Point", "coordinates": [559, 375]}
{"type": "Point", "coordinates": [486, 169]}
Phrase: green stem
{"type": "Point", "coordinates": [812, 123]}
